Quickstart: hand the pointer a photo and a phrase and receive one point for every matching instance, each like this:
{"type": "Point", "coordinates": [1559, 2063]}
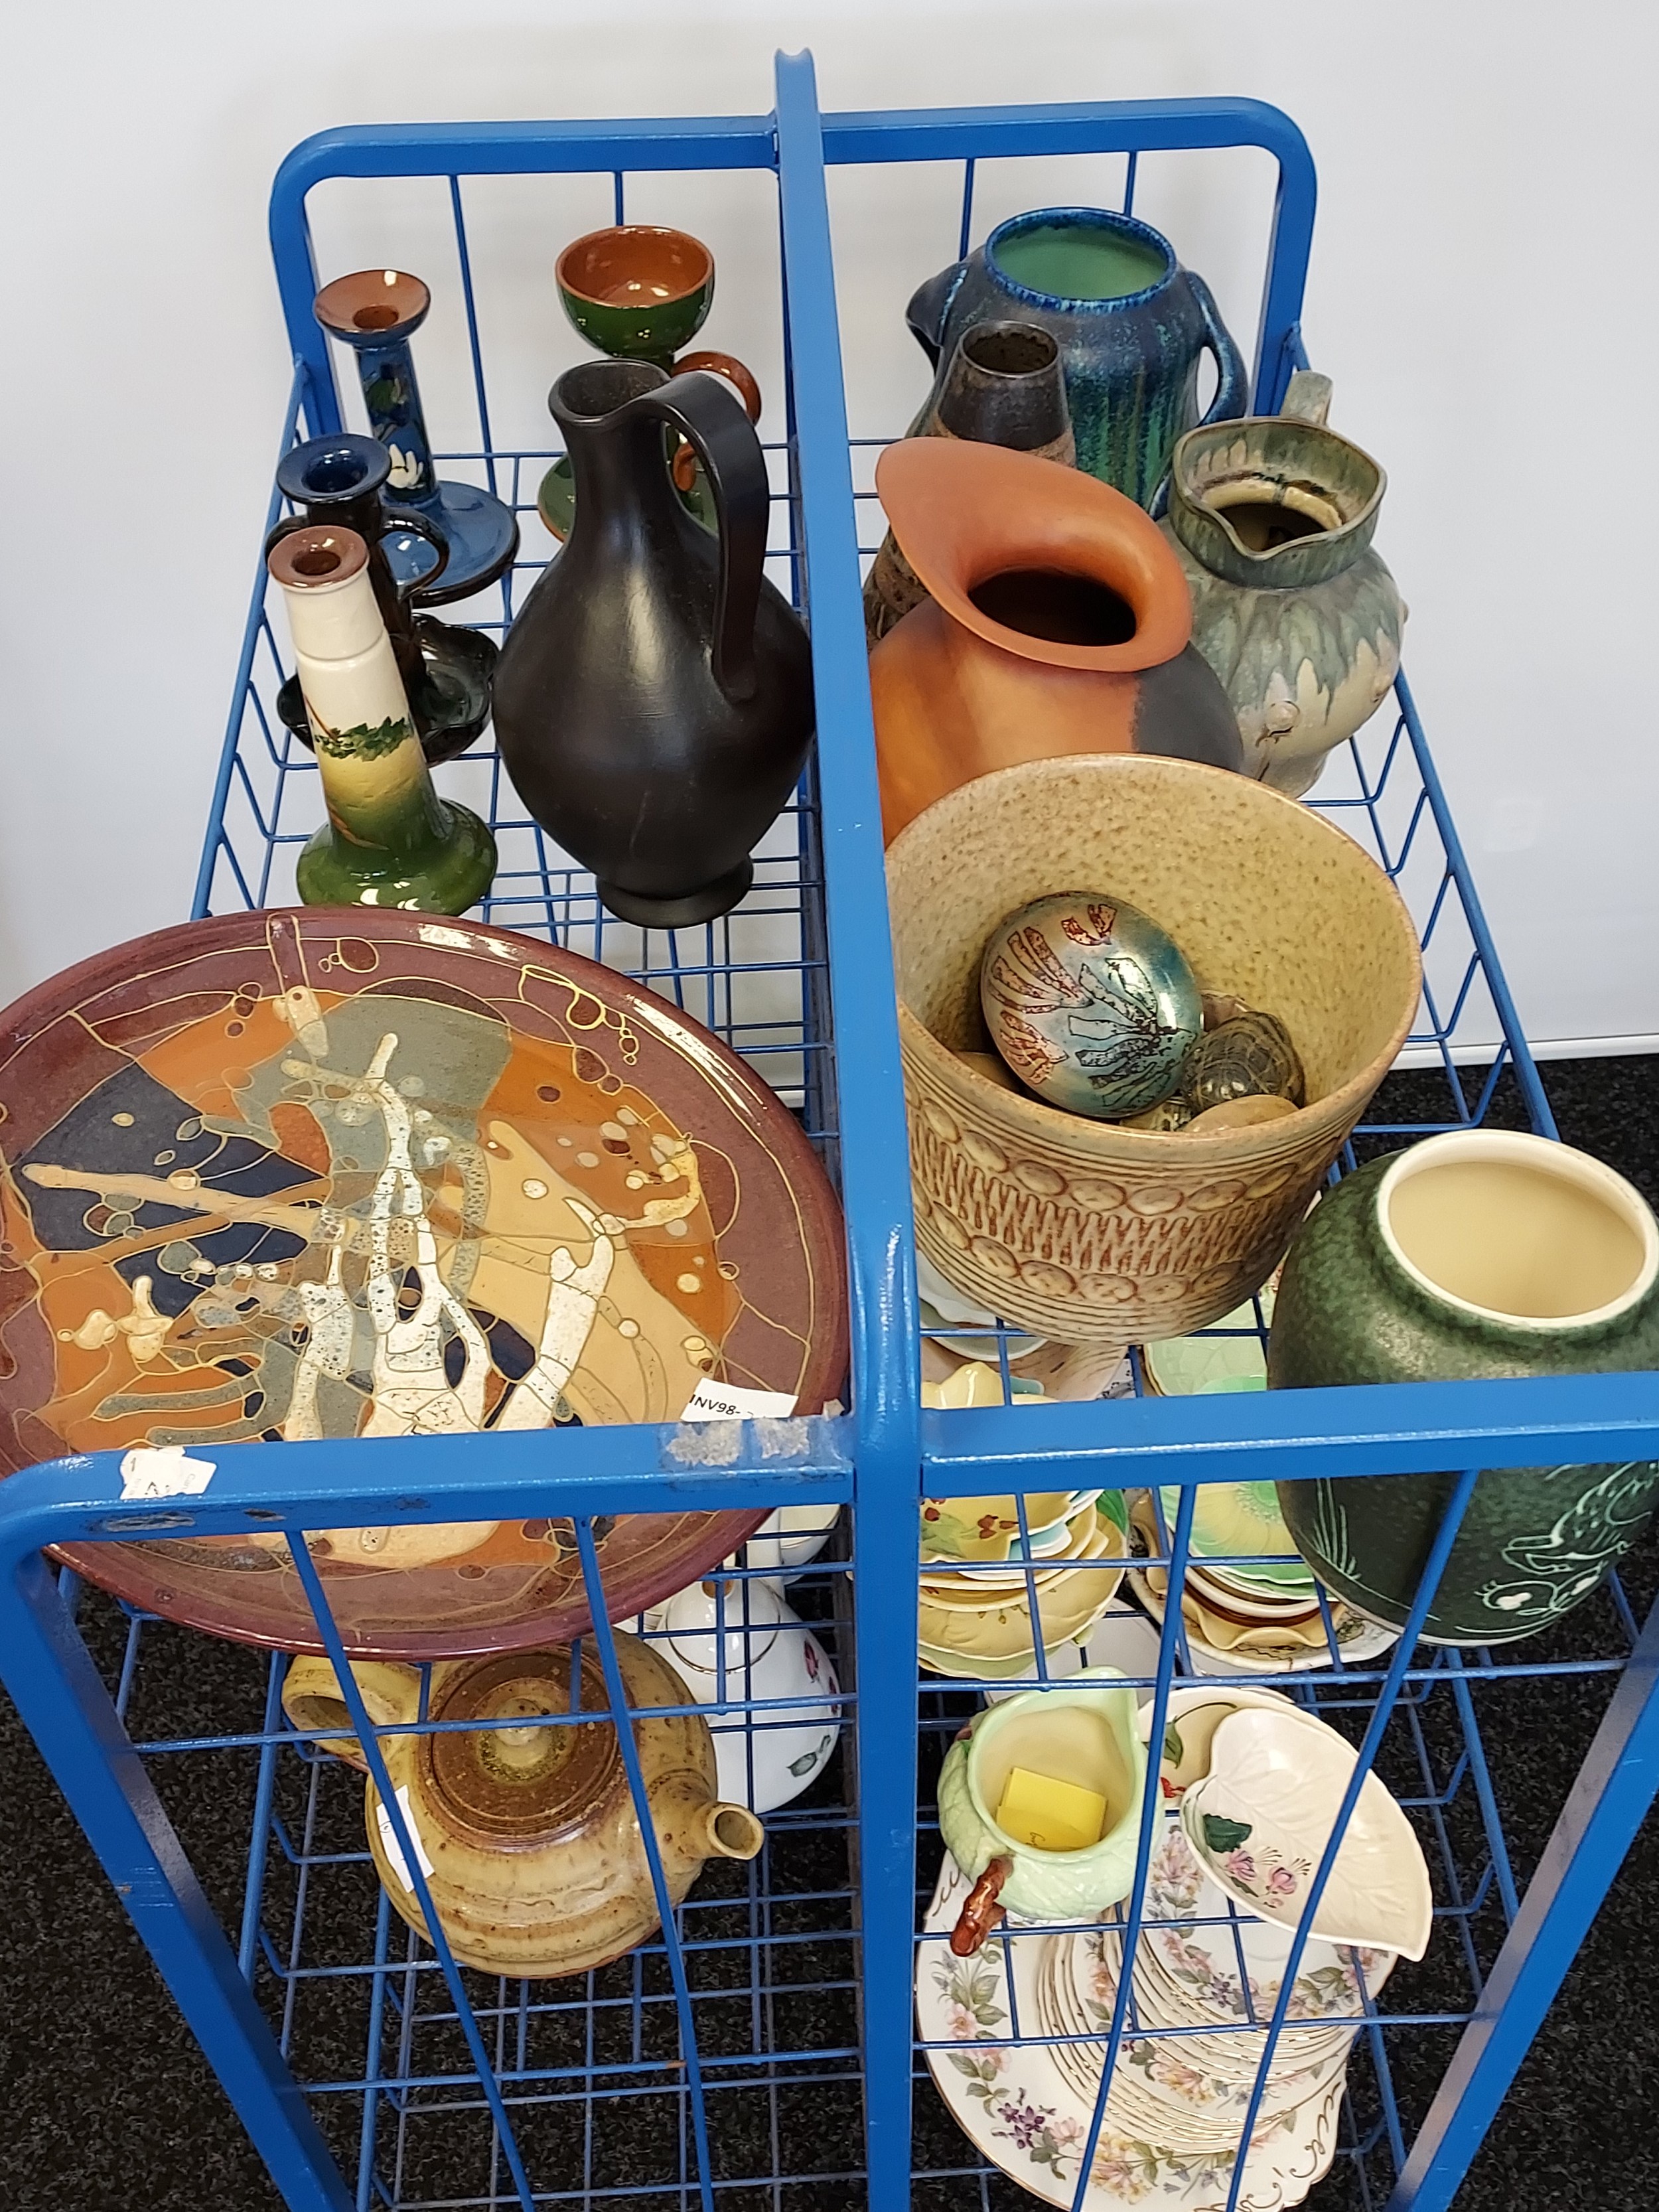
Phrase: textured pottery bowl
{"type": "Point", "coordinates": [1084, 1231]}
{"type": "Point", "coordinates": [1261, 1819]}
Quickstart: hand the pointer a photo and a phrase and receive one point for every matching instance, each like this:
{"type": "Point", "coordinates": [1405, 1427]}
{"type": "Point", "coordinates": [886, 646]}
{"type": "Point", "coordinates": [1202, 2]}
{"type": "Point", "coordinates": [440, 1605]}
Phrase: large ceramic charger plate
{"type": "Point", "coordinates": [336, 1173]}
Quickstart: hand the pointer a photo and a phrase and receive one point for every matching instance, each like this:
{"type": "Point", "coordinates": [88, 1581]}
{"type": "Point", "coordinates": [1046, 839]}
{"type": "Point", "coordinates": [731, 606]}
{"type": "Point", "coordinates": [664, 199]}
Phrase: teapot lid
{"type": "Point", "coordinates": [506, 1783]}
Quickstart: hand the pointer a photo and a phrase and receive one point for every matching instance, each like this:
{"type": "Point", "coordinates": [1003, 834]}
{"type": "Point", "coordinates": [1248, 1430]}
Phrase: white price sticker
{"type": "Point", "coordinates": [729, 1401]}
{"type": "Point", "coordinates": [389, 1843]}
{"type": "Point", "coordinates": [163, 1471]}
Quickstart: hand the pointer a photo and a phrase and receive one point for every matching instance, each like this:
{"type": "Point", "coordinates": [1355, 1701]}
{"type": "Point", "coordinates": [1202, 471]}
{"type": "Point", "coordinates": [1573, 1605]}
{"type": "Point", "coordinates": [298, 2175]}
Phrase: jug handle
{"type": "Point", "coordinates": [980, 1912]}
{"type": "Point", "coordinates": [1307, 398]}
{"type": "Point", "coordinates": [930, 303]}
{"type": "Point", "coordinates": [312, 1697]}
{"type": "Point", "coordinates": [702, 410]}
{"type": "Point", "coordinates": [398, 517]}
{"type": "Point", "coordinates": [1232, 392]}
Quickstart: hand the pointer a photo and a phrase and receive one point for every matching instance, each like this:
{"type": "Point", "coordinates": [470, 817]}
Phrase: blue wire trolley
{"type": "Point", "coordinates": [762, 2047]}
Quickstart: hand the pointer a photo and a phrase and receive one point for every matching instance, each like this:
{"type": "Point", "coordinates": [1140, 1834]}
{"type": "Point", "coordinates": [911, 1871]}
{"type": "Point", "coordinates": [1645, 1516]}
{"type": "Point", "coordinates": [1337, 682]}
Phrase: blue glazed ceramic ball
{"type": "Point", "coordinates": [1091, 1003]}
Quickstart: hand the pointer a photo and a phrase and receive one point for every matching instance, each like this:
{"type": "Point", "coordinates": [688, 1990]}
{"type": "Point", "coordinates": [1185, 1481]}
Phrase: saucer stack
{"type": "Point", "coordinates": [1170, 2128]}
{"type": "Point", "coordinates": [981, 1574]}
{"type": "Point", "coordinates": [1249, 1602]}
{"type": "Point", "coordinates": [1189, 2093]}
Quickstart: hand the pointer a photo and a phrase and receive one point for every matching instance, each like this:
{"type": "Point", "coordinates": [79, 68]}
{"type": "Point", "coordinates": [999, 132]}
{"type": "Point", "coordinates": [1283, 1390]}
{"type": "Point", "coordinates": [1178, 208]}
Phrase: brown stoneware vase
{"type": "Point", "coordinates": [1058, 621]}
{"type": "Point", "coordinates": [1003, 387]}
{"type": "Point", "coordinates": [534, 1853]}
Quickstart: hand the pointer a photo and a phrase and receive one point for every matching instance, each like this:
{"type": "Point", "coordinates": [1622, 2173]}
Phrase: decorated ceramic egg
{"type": "Point", "coordinates": [1249, 1057]}
{"type": "Point", "coordinates": [1091, 1003]}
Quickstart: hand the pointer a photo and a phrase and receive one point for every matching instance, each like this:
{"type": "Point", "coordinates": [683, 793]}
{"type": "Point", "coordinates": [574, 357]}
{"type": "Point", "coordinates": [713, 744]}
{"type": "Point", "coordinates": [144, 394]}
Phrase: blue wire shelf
{"type": "Point", "coordinates": [761, 2050]}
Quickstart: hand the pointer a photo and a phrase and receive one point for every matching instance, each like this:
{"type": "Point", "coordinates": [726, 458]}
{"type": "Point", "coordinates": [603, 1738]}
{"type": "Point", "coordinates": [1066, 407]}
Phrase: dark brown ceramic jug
{"type": "Point", "coordinates": [654, 699]}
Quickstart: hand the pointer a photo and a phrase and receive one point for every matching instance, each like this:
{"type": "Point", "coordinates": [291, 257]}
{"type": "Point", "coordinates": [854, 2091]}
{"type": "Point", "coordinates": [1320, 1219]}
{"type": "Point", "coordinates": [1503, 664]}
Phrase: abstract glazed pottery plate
{"type": "Point", "coordinates": [338, 1172]}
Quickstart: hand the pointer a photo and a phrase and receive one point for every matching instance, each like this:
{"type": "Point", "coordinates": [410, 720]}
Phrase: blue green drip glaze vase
{"type": "Point", "coordinates": [1478, 1254]}
{"type": "Point", "coordinates": [1130, 322]}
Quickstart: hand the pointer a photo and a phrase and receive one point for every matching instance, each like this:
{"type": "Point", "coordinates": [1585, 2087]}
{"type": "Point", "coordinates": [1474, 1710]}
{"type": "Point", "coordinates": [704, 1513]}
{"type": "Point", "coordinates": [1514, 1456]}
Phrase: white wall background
{"type": "Point", "coordinates": [1481, 290]}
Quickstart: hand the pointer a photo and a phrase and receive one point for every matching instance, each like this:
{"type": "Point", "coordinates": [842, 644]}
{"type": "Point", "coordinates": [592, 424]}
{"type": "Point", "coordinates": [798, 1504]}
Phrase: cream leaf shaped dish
{"type": "Point", "coordinates": [1261, 1819]}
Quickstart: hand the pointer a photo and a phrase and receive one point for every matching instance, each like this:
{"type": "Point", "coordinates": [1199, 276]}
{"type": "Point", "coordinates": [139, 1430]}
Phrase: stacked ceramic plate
{"type": "Point", "coordinates": [1172, 2120]}
{"type": "Point", "coordinates": [1000, 1574]}
{"type": "Point", "coordinates": [1249, 1604]}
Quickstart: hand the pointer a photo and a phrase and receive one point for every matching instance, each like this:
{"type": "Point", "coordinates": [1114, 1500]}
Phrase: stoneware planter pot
{"type": "Point", "coordinates": [1131, 324]}
{"type": "Point", "coordinates": [1088, 1232]}
{"type": "Point", "coordinates": [1479, 1252]}
{"type": "Point", "coordinates": [1058, 622]}
{"type": "Point", "coordinates": [1272, 520]}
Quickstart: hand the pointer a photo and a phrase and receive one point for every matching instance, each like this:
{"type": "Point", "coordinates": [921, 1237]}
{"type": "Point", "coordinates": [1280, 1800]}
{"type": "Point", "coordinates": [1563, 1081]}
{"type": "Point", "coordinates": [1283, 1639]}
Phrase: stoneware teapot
{"type": "Point", "coordinates": [1272, 520]}
{"type": "Point", "coordinates": [1131, 324]}
{"type": "Point", "coordinates": [537, 1864]}
{"type": "Point", "coordinates": [1481, 1252]}
{"type": "Point", "coordinates": [1083, 1731]}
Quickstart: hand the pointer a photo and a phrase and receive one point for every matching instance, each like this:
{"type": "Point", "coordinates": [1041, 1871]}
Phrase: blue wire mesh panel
{"type": "Point", "coordinates": [731, 2036]}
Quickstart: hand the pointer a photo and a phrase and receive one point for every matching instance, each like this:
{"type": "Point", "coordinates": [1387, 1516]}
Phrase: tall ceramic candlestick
{"type": "Point", "coordinates": [376, 312]}
{"type": "Point", "coordinates": [389, 839]}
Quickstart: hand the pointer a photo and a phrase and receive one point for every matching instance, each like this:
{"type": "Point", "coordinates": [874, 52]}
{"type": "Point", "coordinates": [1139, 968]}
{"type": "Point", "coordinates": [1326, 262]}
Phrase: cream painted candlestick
{"type": "Point", "coordinates": [389, 839]}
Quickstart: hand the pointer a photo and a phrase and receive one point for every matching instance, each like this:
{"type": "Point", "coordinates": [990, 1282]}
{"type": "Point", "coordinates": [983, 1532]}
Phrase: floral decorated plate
{"type": "Point", "coordinates": [1164, 2079]}
{"type": "Point", "coordinates": [347, 1172]}
{"type": "Point", "coordinates": [1019, 2112]}
{"type": "Point", "coordinates": [1197, 1955]}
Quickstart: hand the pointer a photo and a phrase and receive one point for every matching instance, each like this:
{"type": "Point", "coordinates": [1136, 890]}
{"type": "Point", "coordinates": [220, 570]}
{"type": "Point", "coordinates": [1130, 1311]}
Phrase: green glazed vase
{"type": "Point", "coordinates": [389, 839]}
{"type": "Point", "coordinates": [1272, 520]}
{"type": "Point", "coordinates": [1480, 1253]}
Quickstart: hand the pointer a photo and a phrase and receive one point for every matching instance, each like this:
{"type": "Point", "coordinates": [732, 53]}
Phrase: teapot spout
{"type": "Point", "coordinates": [731, 1831]}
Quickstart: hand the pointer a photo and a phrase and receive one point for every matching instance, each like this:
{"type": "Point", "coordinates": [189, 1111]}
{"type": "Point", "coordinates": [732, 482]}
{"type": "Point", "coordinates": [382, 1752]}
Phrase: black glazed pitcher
{"type": "Point", "coordinates": [653, 698]}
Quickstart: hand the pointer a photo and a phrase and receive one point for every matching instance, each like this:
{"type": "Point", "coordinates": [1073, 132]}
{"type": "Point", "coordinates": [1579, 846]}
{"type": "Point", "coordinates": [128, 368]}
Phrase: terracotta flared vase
{"type": "Point", "coordinates": [1058, 622]}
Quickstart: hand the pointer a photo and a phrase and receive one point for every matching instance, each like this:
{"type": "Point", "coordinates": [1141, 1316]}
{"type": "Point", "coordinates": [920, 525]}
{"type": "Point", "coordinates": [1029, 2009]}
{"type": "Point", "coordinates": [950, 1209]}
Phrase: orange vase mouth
{"type": "Point", "coordinates": [1035, 558]}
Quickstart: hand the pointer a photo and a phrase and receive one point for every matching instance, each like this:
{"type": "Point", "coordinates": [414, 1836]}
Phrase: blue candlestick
{"type": "Point", "coordinates": [376, 312]}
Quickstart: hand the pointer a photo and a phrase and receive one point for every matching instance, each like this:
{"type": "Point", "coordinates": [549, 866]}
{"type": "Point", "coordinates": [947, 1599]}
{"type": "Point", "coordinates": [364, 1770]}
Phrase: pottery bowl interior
{"type": "Point", "coordinates": [1064, 1733]}
{"type": "Point", "coordinates": [1244, 472]}
{"type": "Point", "coordinates": [1086, 1230]}
{"type": "Point", "coordinates": [636, 287]}
{"type": "Point", "coordinates": [1079, 256]}
{"type": "Point", "coordinates": [1513, 1229]}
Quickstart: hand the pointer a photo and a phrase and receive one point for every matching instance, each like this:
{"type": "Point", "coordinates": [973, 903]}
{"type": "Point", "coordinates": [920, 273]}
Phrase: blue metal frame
{"type": "Point", "coordinates": [826, 886]}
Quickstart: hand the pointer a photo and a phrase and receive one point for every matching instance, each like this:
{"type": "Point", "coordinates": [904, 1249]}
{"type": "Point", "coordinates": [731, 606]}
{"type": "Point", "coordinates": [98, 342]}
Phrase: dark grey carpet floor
{"type": "Point", "coordinates": [106, 2101]}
